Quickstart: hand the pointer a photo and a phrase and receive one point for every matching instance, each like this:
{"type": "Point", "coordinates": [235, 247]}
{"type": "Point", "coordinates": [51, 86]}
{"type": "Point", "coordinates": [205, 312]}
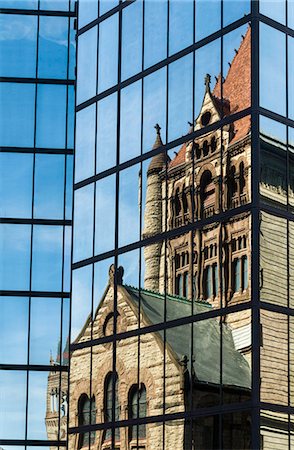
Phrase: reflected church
{"type": "Point", "coordinates": [198, 270]}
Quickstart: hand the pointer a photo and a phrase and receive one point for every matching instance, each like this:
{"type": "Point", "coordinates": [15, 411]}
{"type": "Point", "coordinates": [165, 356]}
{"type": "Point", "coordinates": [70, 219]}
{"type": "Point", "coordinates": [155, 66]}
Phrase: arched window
{"type": "Point", "coordinates": [244, 273]}
{"type": "Point", "coordinates": [177, 203]}
{"type": "Point", "coordinates": [197, 151]}
{"type": "Point", "coordinates": [205, 148]}
{"type": "Point", "coordinates": [208, 282]}
{"type": "Point", "coordinates": [214, 280]}
{"type": "Point", "coordinates": [137, 409]}
{"type": "Point", "coordinates": [207, 194]}
{"type": "Point", "coordinates": [110, 381]}
{"type": "Point", "coordinates": [86, 416]}
{"type": "Point", "coordinates": [237, 274]}
{"type": "Point", "coordinates": [179, 285]}
{"type": "Point", "coordinates": [213, 144]}
{"type": "Point", "coordinates": [185, 284]}
{"type": "Point", "coordinates": [185, 202]}
{"type": "Point", "coordinates": [241, 177]}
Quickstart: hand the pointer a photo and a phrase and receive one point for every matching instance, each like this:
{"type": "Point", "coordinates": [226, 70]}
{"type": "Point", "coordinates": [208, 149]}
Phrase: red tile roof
{"type": "Point", "coordinates": [236, 93]}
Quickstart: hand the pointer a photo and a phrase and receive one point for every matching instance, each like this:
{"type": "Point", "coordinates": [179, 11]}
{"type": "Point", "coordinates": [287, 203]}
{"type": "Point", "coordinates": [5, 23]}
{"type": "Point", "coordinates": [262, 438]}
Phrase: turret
{"type": "Point", "coordinates": [153, 215]}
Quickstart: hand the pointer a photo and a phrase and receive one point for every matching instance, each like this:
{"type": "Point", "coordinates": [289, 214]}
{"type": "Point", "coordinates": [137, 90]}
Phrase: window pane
{"type": "Point", "coordinates": [105, 214]}
{"type": "Point", "coordinates": [88, 11]}
{"type": "Point", "coordinates": [18, 45]}
{"type": "Point", "coordinates": [54, 5]}
{"type": "Point", "coordinates": [131, 40]}
{"type": "Point", "coordinates": [49, 186]}
{"type": "Point", "coordinates": [69, 187]}
{"type": "Point", "coordinates": [17, 111]}
{"type": "Point", "coordinates": [67, 259]}
{"type": "Point", "coordinates": [20, 4]}
{"type": "Point", "coordinates": [106, 134]}
{"type": "Point", "coordinates": [154, 104]}
{"type": "Point", "coordinates": [14, 330]}
{"type": "Point", "coordinates": [45, 325]}
{"type": "Point", "coordinates": [203, 10]}
{"type": "Point", "coordinates": [51, 116]}
{"type": "Point", "coordinates": [83, 223]}
{"type": "Point", "coordinates": [52, 51]}
{"type": "Point", "coordinates": [180, 24]}
{"type": "Point", "coordinates": [47, 258]}
{"type": "Point", "coordinates": [108, 53]}
{"type": "Point", "coordinates": [16, 179]}
{"type": "Point", "coordinates": [81, 299]}
{"type": "Point", "coordinates": [274, 9]}
{"type": "Point", "coordinates": [87, 62]}
{"type": "Point", "coordinates": [15, 257]}
{"type": "Point", "coordinates": [85, 143]}
{"type": "Point", "coordinates": [13, 404]}
{"type": "Point", "coordinates": [155, 32]}
{"type": "Point", "coordinates": [235, 9]}
{"type": "Point", "coordinates": [106, 5]}
{"type": "Point", "coordinates": [272, 69]}
{"type": "Point", "coordinates": [129, 219]}
{"type": "Point", "coordinates": [70, 116]}
{"type": "Point", "coordinates": [180, 97]}
{"type": "Point", "coordinates": [290, 75]}
{"type": "Point", "coordinates": [130, 114]}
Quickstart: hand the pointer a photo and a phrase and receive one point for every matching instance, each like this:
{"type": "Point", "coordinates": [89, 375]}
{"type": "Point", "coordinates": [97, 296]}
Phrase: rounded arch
{"type": "Point", "coordinates": [207, 194]}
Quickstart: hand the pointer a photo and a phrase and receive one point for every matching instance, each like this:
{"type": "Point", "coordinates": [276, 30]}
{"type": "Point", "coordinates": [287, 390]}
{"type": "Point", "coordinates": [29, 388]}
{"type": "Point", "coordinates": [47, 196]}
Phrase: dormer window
{"type": "Point", "coordinates": [205, 118]}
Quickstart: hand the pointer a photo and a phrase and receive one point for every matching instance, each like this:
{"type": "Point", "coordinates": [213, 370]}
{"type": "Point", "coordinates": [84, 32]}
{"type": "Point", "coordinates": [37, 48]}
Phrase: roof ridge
{"type": "Point", "coordinates": [176, 298]}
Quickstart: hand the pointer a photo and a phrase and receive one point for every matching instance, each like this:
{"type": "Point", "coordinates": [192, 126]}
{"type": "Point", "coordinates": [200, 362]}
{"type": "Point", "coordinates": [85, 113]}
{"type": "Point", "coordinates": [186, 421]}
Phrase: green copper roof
{"type": "Point", "coordinates": [206, 339]}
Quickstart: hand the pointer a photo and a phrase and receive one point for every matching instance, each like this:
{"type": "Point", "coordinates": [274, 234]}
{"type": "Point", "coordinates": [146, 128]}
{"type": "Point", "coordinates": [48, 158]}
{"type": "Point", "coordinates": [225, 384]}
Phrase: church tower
{"type": "Point", "coordinates": [57, 400]}
{"type": "Point", "coordinates": [153, 215]}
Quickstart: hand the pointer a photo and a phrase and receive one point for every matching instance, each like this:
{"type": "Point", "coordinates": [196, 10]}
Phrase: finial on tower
{"type": "Point", "coordinates": [207, 80]}
{"type": "Point", "coordinates": [158, 141]}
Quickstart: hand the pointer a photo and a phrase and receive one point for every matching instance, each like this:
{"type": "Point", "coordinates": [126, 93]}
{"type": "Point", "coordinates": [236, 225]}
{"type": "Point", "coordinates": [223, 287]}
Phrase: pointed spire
{"type": "Point", "coordinates": [158, 141]}
{"type": "Point", "coordinates": [207, 80]}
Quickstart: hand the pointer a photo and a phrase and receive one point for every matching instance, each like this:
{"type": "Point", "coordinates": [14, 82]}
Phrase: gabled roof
{"type": "Point", "coordinates": [206, 338]}
{"type": "Point", "coordinates": [236, 94]}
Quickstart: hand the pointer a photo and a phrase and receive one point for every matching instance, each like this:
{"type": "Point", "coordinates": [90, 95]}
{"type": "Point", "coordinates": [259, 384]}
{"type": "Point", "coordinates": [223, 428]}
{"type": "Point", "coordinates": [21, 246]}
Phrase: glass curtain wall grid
{"type": "Point", "coordinates": [37, 83]}
{"type": "Point", "coordinates": [182, 311]}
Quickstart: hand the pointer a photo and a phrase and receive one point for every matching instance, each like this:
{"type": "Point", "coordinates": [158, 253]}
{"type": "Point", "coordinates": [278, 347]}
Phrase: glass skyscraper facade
{"type": "Point", "coordinates": [181, 314]}
{"type": "Point", "coordinates": [182, 266]}
{"type": "Point", "coordinates": [37, 70]}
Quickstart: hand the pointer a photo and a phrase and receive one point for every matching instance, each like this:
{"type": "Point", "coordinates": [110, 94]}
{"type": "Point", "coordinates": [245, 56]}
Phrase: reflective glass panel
{"type": "Point", "coordinates": [14, 330]}
{"type": "Point", "coordinates": [16, 180]}
{"type": "Point", "coordinates": [131, 40]}
{"type": "Point", "coordinates": [105, 214]}
{"type": "Point", "coordinates": [45, 326]}
{"type": "Point", "coordinates": [87, 62]}
{"type": "Point", "coordinates": [49, 186]}
{"type": "Point", "coordinates": [15, 256]}
{"type": "Point", "coordinates": [13, 404]}
{"type": "Point", "coordinates": [155, 32]}
{"type": "Point", "coordinates": [272, 69]}
{"type": "Point", "coordinates": [106, 5]}
{"type": "Point", "coordinates": [88, 11]}
{"type": "Point", "coordinates": [154, 104]}
{"type": "Point", "coordinates": [47, 258]}
{"type": "Point", "coordinates": [85, 143]}
{"type": "Point", "coordinates": [203, 10]}
{"type": "Point", "coordinates": [17, 111]}
{"type": "Point", "coordinates": [180, 99]}
{"type": "Point", "coordinates": [108, 53]}
{"type": "Point", "coordinates": [53, 47]}
{"type": "Point", "coordinates": [180, 24]}
{"type": "Point", "coordinates": [83, 223]}
{"type": "Point", "coordinates": [51, 116]}
{"type": "Point", "coordinates": [18, 41]}
{"type": "Point", "coordinates": [129, 205]}
{"type": "Point", "coordinates": [106, 134]}
{"type": "Point", "coordinates": [235, 9]}
{"type": "Point", "coordinates": [130, 128]}
{"type": "Point", "coordinates": [81, 300]}
{"type": "Point", "coordinates": [274, 9]}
